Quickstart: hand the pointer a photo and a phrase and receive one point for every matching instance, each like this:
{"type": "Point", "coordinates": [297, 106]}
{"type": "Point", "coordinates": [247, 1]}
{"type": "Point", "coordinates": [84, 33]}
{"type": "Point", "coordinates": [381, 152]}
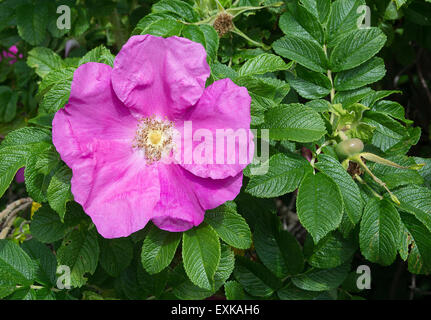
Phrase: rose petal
{"type": "Point", "coordinates": [94, 135]}
{"type": "Point", "coordinates": [157, 76]}
{"type": "Point", "coordinates": [223, 106]}
{"type": "Point", "coordinates": [185, 197]}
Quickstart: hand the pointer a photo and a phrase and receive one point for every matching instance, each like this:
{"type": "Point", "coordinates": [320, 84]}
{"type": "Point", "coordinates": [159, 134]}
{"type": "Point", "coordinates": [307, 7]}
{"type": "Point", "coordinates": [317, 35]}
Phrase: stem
{"type": "Point", "coordinates": [11, 207]}
{"type": "Point", "coordinates": [318, 151]}
{"type": "Point", "coordinates": [358, 160]}
{"type": "Point", "coordinates": [39, 287]}
{"type": "Point", "coordinates": [238, 10]}
{"type": "Point", "coordinates": [242, 34]}
{"type": "Point", "coordinates": [329, 73]}
{"type": "Point", "coordinates": [10, 214]}
{"type": "Point", "coordinates": [219, 5]}
{"type": "Point", "coordinates": [357, 177]}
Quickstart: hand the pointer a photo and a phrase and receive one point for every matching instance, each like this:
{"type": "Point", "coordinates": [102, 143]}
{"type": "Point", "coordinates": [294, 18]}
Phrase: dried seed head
{"type": "Point", "coordinates": [223, 23]}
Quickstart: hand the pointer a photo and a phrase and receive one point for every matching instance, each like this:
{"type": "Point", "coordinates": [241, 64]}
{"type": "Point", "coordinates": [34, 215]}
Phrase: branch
{"type": "Point", "coordinates": [10, 214]}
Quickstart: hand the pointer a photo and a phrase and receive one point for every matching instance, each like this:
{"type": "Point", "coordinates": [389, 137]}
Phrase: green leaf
{"type": "Point", "coordinates": [370, 99]}
{"type": "Point", "coordinates": [290, 292]}
{"type": "Point", "coordinates": [379, 232]}
{"type": "Point", "coordinates": [188, 291]}
{"type": "Point", "coordinates": [230, 226]}
{"type": "Point", "coordinates": [425, 172]}
{"type": "Point", "coordinates": [145, 23]}
{"type": "Point", "coordinates": [32, 22]}
{"type": "Point", "coordinates": [270, 88]}
{"type": "Point", "coordinates": [159, 249]}
{"type": "Point", "coordinates": [388, 131]}
{"type": "Point", "coordinates": [80, 252]}
{"type": "Point", "coordinates": [164, 28]}
{"type": "Point", "coordinates": [255, 278]}
{"type": "Point", "coordinates": [180, 8]}
{"type": "Point", "coordinates": [205, 35]}
{"type": "Point", "coordinates": [319, 205]}
{"type": "Point", "coordinates": [321, 279]}
{"type": "Point", "coordinates": [347, 98]}
{"type": "Point", "coordinates": [284, 175]}
{"type": "Point", "coordinates": [391, 108]}
{"type": "Point", "coordinates": [265, 94]}
{"type": "Point", "coordinates": [405, 242]}
{"type": "Point", "coordinates": [57, 96]}
{"type": "Point", "coordinates": [234, 291]}
{"type": "Point", "coordinates": [44, 60]}
{"type": "Point", "coordinates": [420, 254]}
{"type": "Point", "coordinates": [332, 251]}
{"type": "Point", "coordinates": [342, 19]}
{"type": "Point", "coordinates": [416, 200]}
{"type": "Point", "coordinates": [356, 48]}
{"type": "Point", "coordinates": [38, 172]}
{"type": "Point", "coordinates": [299, 23]}
{"type": "Point", "coordinates": [194, 33]}
{"type": "Point", "coordinates": [262, 64]}
{"type": "Point", "coordinates": [46, 225]}
{"type": "Point", "coordinates": [6, 288]}
{"type": "Point", "coordinates": [319, 8]}
{"type": "Point", "coordinates": [211, 41]}
{"type": "Point", "coordinates": [294, 122]}
{"type": "Point", "coordinates": [18, 146]}
{"type": "Point", "coordinates": [319, 105]}
{"type": "Point", "coordinates": [307, 53]}
{"type": "Point", "coordinates": [15, 265]}
{"type": "Point", "coordinates": [45, 259]}
{"type": "Point", "coordinates": [309, 84]}
{"type": "Point", "coordinates": [369, 72]}
{"type": "Point", "coordinates": [201, 255]}
{"type": "Point", "coordinates": [396, 177]}
{"type": "Point", "coordinates": [99, 54]}
{"type": "Point", "coordinates": [59, 190]}
{"type": "Point", "coordinates": [250, 208]}
{"type": "Point", "coordinates": [23, 293]}
{"type": "Point", "coordinates": [115, 255]}
{"type": "Point", "coordinates": [278, 250]}
{"type": "Point", "coordinates": [54, 78]}
{"type": "Point", "coordinates": [353, 204]}
{"type": "Point", "coordinates": [8, 104]}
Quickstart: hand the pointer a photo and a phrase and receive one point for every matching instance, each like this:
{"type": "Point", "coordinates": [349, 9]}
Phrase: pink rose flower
{"type": "Point", "coordinates": [12, 53]}
{"type": "Point", "coordinates": [119, 127]}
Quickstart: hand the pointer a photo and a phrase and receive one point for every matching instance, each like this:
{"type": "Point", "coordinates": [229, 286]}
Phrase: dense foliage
{"type": "Point", "coordinates": [349, 174]}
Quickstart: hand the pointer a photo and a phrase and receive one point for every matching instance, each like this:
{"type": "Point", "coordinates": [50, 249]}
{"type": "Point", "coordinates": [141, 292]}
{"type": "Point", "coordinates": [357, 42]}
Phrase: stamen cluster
{"type": "Point", "coordinates": [154, 137]}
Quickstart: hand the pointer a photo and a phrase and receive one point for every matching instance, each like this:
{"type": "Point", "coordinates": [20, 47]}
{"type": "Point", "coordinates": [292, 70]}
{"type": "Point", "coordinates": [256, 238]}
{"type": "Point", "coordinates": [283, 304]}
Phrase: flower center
{"type": "Point", "coordinates": [154, 138]}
